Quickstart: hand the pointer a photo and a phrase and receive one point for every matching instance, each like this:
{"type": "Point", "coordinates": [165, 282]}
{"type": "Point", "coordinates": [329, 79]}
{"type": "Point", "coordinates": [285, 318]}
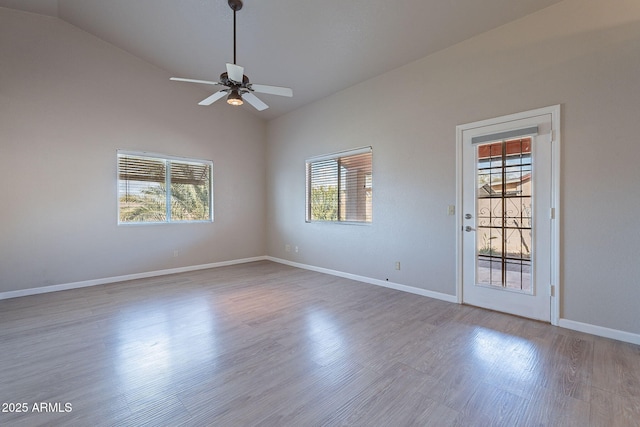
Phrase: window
{"type": "Point", "coordinates": [157, 189]}
{"type": "Point", "coordinates": [339, 187]}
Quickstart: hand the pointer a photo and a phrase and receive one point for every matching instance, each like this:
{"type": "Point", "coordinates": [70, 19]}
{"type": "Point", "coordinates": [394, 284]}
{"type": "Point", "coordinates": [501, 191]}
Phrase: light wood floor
{"type": "Point", "coordinates": [270, 345]}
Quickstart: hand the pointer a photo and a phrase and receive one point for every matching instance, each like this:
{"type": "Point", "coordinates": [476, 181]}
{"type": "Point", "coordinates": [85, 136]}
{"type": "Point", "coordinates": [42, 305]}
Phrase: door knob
{"type": "Point", "coordinates": [468, 216]}
{"type": "Point", "coordinates": [469, 228]}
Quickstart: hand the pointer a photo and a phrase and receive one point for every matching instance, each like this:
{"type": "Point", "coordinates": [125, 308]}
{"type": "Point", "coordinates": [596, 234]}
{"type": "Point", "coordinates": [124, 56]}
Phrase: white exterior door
{"type": "Point", "coordinates": [507, 230]}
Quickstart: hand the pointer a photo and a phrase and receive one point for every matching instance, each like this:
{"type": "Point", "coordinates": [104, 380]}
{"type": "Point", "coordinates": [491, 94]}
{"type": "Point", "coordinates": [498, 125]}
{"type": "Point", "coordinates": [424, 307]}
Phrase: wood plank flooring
{"type": "Point", "coordinates": [263, 344]}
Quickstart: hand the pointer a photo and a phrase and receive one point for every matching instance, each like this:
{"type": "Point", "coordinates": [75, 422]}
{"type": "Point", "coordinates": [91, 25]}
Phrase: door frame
{"type": "Point", "coordinates": [555, 285]}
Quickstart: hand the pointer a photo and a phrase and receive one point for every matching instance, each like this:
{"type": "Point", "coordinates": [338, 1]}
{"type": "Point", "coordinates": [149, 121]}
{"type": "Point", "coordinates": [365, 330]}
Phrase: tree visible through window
{"type": "Point", "coordinates": [154, 188]}
{"type": "Point", "coordinates": [339, 187]}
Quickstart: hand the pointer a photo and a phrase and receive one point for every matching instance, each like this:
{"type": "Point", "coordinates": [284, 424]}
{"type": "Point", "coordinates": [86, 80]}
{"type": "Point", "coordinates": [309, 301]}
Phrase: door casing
{"type": "Point", "coordinates": [555, 286]}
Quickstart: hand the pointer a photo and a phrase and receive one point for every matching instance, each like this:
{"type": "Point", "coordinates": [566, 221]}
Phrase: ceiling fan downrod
{"type": "Point", "coordinates": [235, 5]}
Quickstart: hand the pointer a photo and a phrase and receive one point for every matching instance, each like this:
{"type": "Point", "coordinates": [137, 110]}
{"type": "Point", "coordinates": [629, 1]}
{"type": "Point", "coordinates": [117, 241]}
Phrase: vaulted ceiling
{"type": "Point", "coordinates": [315, 47]}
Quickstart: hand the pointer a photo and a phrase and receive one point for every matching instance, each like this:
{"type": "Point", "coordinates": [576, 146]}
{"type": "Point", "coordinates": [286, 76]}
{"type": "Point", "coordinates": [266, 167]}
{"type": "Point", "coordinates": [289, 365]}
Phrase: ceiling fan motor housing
{"type": "Point", "coordinates": [225, 80]}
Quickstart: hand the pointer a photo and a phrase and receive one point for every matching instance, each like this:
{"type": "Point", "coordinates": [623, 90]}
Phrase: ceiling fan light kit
{"type": "Point", "coordinates": [234, 98]}
{"type": "Point", "coordinates": [237, 86]}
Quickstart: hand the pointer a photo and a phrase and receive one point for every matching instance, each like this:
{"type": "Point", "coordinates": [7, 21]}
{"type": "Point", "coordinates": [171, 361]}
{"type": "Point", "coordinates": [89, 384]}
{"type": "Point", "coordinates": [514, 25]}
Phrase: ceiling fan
{"type": "Point", "coordinates": [237, 86]}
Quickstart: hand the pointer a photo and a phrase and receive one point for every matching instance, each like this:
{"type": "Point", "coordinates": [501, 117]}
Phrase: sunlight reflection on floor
{"type": "Point", "coordinates": [513, 357]}
{"type": "Point", "coordinates": [327, 342]}
{"type": "Point", "coordinates": [158, 341]}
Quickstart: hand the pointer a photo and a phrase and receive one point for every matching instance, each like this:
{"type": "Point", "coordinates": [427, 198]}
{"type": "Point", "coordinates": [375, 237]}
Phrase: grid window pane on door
{"type": "Point", "coordinates": [156, 189]}
{"type": "Point", "coordinates": [504, 214]}
{"type": "Point", "coordinates": [339, 187]}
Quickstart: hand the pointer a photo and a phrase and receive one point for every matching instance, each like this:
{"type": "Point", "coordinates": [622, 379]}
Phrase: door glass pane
{"type": "Point", "coordinates": [503, 215]}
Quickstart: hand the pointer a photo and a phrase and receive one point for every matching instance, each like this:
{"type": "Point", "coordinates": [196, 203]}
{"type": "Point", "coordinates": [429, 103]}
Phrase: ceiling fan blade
{"type": "Point", "coordinates": [206, 82]}
{"type": "Point", "coordinates": [255, 101]}
{"type": "Point", "coordinates": [235, 72]}
{"type": "Point", "coordinates": [213, 98]}
{"type": "Point", "coordinates": [273, 90]}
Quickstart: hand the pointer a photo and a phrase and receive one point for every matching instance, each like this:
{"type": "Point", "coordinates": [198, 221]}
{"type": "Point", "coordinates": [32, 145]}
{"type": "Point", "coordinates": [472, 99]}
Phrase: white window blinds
{"type": "Point", "coordinates": [339, 187]}
{"type": "Point", "coordinates": [155, 188]}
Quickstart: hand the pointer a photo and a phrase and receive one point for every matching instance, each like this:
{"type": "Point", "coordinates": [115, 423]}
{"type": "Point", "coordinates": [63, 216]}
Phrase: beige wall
{"type": "Point", "coordinates": [68, 101]}
{"type": "Point", "coordinates": [582, 54]}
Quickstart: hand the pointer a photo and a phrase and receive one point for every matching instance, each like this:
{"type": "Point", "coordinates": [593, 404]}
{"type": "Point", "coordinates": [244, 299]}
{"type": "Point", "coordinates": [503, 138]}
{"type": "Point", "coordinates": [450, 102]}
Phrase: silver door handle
{"type": "Point", "coordinates": [469, 228]}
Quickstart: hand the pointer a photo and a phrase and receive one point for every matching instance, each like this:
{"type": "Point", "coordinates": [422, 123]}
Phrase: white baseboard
{"type": "Point", "coordinates": [107, 280]}
{"type": "Point", "coordinates": [600, 331]}
{"type": "Point", "coordinates": [384, 283]}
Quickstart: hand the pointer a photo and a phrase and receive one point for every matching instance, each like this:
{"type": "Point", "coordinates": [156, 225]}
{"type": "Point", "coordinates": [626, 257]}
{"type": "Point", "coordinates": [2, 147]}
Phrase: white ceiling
{"type": "Point", "coordinates": [315, 47]}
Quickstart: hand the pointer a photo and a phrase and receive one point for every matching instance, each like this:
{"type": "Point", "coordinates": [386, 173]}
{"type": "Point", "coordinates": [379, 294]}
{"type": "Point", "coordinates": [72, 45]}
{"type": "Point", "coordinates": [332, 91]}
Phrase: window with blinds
{"type": "Point", "coordinates": [339, 187]}
{"type": "Point", "coordinates": [156, 189]}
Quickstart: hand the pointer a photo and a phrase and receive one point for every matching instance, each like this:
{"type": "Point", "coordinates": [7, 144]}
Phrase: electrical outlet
{"type": "Point", "coordinates": [287, 247]}
{"type": "Point", "coordinates": [175, 253]}
{"type": "Point", "coordinates": [296, 249]}
{"type": "Point", "coordinates": [397, 265]}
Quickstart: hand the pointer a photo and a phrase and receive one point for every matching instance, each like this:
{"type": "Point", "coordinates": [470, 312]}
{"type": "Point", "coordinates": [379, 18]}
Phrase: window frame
{"type": "Point", "coordinates": [308, 185]}
{"type": "Point", "coordinates": [167, 159]}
